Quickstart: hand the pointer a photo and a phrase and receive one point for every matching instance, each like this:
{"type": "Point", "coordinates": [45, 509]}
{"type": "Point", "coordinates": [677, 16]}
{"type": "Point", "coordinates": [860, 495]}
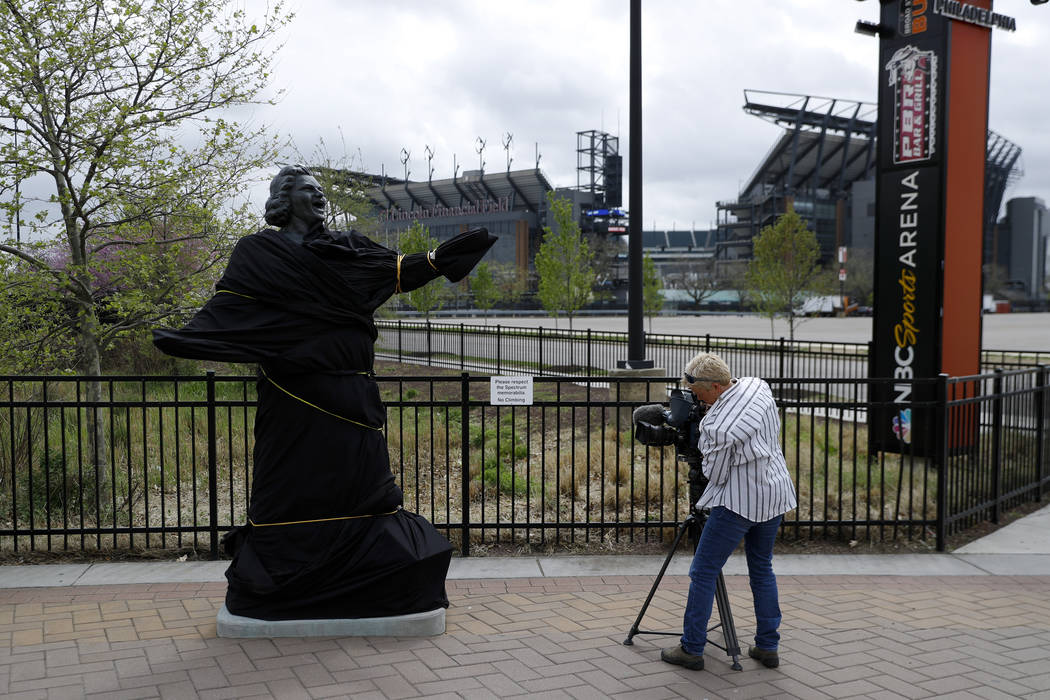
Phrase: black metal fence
{"type": "Point", "coordinates": [553, 352]}
{"type": "Point", "coordinates": [995, 445]}
{"type": "Point", "coordinates": [166, 461]}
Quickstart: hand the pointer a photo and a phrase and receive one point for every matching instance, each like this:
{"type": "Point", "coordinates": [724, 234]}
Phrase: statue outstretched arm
{"type": "Point", "coordinates": [453, 259]}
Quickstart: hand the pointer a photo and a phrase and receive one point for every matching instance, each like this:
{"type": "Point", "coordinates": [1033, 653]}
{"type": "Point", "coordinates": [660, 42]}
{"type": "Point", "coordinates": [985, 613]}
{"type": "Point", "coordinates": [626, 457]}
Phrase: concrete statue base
{"type": "Point", "coordinates": [425, 624]}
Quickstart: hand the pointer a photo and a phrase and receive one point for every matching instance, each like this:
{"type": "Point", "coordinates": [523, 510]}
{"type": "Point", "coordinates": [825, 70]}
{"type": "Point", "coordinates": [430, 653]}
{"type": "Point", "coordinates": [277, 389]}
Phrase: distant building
{"type": "Point", "coordinates": [862, 215]}
{"type": "Point", "coordinates": [512, 204]}
{"type": "Point", "coordinates": [670, 250]}
{"type": "Point", "coordinates": [823, 166]}
{"type": "Point", "coordinates": [1021, 246]}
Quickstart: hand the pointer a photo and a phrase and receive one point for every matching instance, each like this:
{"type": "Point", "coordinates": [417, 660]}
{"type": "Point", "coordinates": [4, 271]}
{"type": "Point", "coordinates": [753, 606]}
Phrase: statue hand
{"type": "Point", "coordinates": [456, 257]}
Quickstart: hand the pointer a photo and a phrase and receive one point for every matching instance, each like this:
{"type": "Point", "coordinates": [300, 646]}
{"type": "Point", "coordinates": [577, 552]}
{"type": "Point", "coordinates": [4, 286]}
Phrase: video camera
{"type": "Point", "coordinates": [678, 425]}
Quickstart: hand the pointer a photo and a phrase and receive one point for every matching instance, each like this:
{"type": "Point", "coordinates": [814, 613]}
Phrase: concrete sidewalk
{"type": "Point", "coordinates": [971, 624]}
{"type": "Point", "coordinates": [531, 567]}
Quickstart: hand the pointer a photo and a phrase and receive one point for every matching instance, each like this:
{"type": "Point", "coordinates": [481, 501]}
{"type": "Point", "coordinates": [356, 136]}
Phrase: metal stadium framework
{"type": "Point", "coordinates": [826, 148]}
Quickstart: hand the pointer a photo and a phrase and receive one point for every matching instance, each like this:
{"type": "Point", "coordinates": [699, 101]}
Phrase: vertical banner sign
{"type": "Point", "coordinates": [966, 144]}
{"type": "Point", "coordinates": [908, 225]}
{"type": "Point", "coordinates": [933, 125]}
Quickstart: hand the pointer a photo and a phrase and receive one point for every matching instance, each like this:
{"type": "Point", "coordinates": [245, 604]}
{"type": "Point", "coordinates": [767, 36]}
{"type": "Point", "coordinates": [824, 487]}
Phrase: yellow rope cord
{"type": "Point", "coordinates": [398, 287]}
{"type": "Point", "coordinates": [319, 520]}
{"type": "Point", "coordinates": [431, 261]}
{"type": "Point", "coordinates": [228, 291]}
{"type": "Point", "coordinates": [334, 415]}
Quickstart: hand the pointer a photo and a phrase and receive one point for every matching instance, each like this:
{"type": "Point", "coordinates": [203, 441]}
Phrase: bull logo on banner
{"type": "Point", "coordinates": [913, 75]}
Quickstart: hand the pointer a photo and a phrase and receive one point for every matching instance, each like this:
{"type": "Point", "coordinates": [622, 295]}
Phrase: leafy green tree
{"type": "Point", "coordinates": [485, 289]}
{"type": "Point", "coordinates": [30, 318]}
{"type": "Point", "coordinates": [136, 284]}
{"type": "Point", "coordinates": [785, 267]}
{"type": "Point", "coordinates": [652, 297]}
{"type": "Point", "coordinates": [564, 263]}
{"type": "Point", "coordinates": [112, 109]}
{"type": "Point", "coordinates": [430, 297]}
{"type": "Point", "coordinates": [112, 106]}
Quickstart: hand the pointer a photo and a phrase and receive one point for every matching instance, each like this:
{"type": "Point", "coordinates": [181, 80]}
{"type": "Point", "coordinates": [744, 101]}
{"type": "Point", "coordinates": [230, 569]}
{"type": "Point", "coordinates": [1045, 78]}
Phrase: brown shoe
{"type": "Point", "coordinates": [768, 657]}
{"type": "Point", "coordinates": [680, 657]}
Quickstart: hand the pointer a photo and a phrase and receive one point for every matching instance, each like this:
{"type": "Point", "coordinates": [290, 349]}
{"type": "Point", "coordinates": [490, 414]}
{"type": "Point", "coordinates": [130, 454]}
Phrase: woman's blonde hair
{"type": "Point", "coordinates": [706, 369]}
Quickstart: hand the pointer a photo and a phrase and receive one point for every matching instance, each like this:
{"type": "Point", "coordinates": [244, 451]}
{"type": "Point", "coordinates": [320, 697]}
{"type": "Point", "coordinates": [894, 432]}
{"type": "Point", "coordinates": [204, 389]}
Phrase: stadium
{"type": "Point", "coordinates": [821, 164]}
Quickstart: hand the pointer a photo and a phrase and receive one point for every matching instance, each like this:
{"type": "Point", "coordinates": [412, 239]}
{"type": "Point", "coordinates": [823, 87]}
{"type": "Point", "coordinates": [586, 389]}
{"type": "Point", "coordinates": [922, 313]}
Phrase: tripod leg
{"type": "Point", "coordinates": [728, 627]}
{"type": "Point", "coordinates": [682, 529]}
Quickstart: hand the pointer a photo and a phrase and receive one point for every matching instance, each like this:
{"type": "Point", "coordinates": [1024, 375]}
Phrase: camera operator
{"type": "Point", "coordinates": [749, 489]}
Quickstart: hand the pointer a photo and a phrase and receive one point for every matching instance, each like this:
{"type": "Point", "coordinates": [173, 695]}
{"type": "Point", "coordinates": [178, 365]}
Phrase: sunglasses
{"type": "Point", "coordinates": [693, 380]}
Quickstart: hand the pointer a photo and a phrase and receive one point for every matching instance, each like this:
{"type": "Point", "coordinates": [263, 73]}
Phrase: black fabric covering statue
{"type": "Point", "coordinates": [326, 535]}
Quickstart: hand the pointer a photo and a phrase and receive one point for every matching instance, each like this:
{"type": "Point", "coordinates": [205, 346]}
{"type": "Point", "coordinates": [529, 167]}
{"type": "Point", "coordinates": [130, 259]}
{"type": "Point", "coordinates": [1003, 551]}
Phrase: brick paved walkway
{"type": "Point", "coordinates": [843, 637]}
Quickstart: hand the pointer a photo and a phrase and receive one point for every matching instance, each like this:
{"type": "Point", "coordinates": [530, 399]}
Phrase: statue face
{"type": "Point", "coordinates": [307, 200]}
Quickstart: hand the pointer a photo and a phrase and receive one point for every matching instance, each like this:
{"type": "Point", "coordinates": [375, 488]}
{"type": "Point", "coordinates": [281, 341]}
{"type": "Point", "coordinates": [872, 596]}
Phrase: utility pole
{"type": "Point", "coordinates": [646, 380]}
{"type": "Point", "coordinates": [635, 329]}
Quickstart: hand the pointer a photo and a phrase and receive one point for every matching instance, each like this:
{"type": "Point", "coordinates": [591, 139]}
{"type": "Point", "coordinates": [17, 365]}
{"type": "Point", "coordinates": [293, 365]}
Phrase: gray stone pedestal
{"type": "Point", "coordinates": [425, 624]}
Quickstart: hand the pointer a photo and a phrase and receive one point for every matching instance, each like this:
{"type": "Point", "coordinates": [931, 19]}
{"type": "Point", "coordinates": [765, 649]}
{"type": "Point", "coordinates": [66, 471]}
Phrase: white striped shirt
{"type": "Point", "coordinates": [740, 443]}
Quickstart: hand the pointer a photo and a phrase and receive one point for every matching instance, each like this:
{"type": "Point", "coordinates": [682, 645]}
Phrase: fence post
{"type": "Point", "coordinates": [399, 341]}
{"type": "Point", "coordinates": [430, 349]}
{"type": "Point", "coordinates": [588, 354]}
{"type": "Point", "coordinates": [997, 444]}
{"type": "Point", "coordinates": [941, 452]}
{"type": "Point", "coordinates": [499, 350]}
{"type": "Point", "coordinates": [13, 480]}
{"type": "Point", "coordinates": [462, 347]}
{"type": "Point", "coordinates": [1040, 430]}
{"type": "Point", "coordinates": [465, 461]}
{"type": "Point", "coordinates": [539, 337]}
{"type": "Point", "coordinates": [213, 479]}
{"type": "Point", "coordinates": [780, 356]}
{"type": "Point", "coordinates": [707, 342]}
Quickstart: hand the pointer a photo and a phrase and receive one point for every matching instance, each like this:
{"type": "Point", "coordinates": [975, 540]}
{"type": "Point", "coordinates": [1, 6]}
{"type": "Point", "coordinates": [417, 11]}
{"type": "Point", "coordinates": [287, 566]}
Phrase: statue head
{"type": "Point", "coordinates": [295, 194]}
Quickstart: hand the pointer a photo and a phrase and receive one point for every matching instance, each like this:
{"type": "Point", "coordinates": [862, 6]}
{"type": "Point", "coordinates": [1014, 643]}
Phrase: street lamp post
{"type": "Point", "coordinates": [635, 329]}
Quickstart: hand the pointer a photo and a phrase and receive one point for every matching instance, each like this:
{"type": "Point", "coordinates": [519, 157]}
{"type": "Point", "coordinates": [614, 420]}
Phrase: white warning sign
{"type": "Point", "coordinates": [510, 391]}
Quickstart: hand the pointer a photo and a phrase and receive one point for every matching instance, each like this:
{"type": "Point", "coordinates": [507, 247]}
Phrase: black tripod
{"type": "Point", "coordinates": [695, 523]}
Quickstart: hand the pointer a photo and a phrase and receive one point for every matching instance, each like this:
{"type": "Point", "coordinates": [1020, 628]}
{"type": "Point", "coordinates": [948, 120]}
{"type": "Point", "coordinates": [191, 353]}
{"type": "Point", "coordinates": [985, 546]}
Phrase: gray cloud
{"type": "Point", "coordinates": [384, 75]}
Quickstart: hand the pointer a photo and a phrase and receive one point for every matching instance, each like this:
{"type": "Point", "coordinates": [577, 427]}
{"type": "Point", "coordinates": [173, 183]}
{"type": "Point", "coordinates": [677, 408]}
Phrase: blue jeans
{"type": "Point", "coordinates": [722, 533]}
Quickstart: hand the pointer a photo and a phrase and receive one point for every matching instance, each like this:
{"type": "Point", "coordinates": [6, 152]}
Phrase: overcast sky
{"type": "Point", "coordinates": [382, 75]}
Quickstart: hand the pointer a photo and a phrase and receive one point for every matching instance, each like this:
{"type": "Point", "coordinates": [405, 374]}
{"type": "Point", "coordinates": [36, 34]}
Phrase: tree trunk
{"type": "Point", "coordinates": [98, 445]}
